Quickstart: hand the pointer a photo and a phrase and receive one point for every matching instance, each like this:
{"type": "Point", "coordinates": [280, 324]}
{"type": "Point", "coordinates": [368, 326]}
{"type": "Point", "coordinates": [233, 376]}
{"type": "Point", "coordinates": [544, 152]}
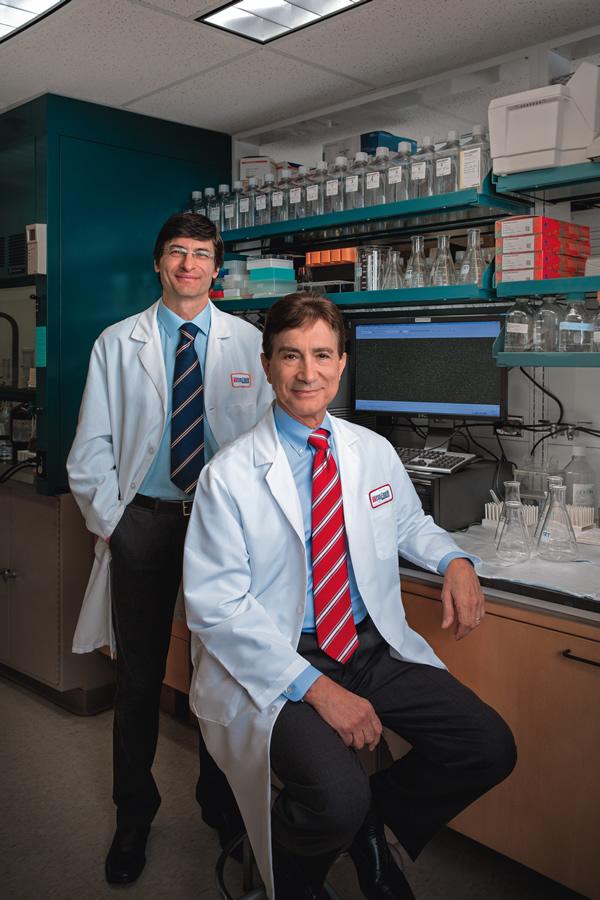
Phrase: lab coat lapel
{"type": "Point", "coordinates": [269, 452]}
{"type": "Point", "coordinates": [150, 354]}
{"type": "Point", "coordinates": [220, 330]}
{"type": "Point", "coordinates": [349, 466]}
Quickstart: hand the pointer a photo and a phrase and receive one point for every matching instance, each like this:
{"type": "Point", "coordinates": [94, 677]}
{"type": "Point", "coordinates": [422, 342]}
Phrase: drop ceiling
{"type": "Point", "coordinates": [154, 58]}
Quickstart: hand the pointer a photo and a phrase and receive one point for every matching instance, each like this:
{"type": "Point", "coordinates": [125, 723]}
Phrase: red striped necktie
{"type": "Point", "coordinates": [336, 632]}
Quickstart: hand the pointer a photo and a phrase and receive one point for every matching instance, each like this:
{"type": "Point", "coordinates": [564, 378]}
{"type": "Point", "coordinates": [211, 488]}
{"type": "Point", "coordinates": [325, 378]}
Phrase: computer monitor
{"type": "Point", "coordinates": [436, 366]}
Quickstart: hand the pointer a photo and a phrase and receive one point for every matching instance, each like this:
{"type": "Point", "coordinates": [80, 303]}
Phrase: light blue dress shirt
{"type": "Point", "coordinates": [157, 482]}
{"type": "Point", "coordinates": [300, 454]}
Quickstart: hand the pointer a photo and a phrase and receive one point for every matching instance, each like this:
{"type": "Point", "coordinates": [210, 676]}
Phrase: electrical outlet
{"type": "Point", "coordinates": [511, 427]}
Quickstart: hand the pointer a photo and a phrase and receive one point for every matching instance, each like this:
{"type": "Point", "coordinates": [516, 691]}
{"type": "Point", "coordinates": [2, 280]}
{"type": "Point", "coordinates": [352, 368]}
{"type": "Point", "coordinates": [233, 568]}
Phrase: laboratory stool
{"type": "Point", "coordinates": [250, 892]}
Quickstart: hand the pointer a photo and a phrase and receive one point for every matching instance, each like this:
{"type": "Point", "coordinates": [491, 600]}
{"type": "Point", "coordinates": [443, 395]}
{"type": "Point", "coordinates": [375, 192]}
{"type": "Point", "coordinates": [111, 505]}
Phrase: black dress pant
{"type": "Point", "coordinates": [146, 567]}
{"type": "Point", "coordinates": [460, 749]}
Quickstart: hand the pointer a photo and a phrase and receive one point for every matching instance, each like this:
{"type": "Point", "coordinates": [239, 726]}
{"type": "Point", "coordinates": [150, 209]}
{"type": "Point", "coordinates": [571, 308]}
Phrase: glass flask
{"type": "Point", "coordinates": [392, 278]}
{"type": "Point", "coordinates": [447, 166]}
{"type": "Point", "coordinates": [513, 544]}
{"type": "Point", "coordinates": [556, 540]}
{"type": "Point", "coordinates": [334, 186]}
{"type": "Point", "coordinates": [399, 174]}
{"type": "Point", "coordinates": [422, 170]}
{"type": "Point", "coordinates": [576, 330]}
{"type": "Point", "coordinates": [371, 268]}
{"type": "Point", "coordinates": [416, 269]}
{"type": "Point", "coordinates": [551, 479]}
{"type": "Point", "coordinates": [473, 265]}
{"type": "Point", "coordinates": [546, 322]}
{"type": "Point", "coordinates": [512, 493]}
{"type": "Point", "coordinates": [376, 178]}
{"type": "Point", "coordinates": [443, 273]}
{"type": "Point", "coordinates": [518, 329]}
{"type": "Point", "coordinates": [355, 182]}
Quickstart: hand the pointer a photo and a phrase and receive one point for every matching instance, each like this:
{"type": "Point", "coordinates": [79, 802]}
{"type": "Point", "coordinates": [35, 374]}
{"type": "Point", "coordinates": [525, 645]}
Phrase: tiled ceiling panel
{"type": "Point", "coordinates": [188, 8]}
{"type": "Point", "coordinates": [109, 52]}
{"type": "Point", "coordinates": [238, 93]}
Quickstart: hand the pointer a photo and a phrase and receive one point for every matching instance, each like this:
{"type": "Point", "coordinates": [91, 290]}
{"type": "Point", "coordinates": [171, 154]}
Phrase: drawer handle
{"type": "Point", "coordinates": [7, 573]}
{"type": "Point", "coordinates": [568, 655]}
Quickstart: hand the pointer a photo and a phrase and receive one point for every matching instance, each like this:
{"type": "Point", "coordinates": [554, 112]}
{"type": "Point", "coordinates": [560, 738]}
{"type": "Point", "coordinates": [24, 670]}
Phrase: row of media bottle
{"type": "Point", "coordinates": [382, 268]}
{"type": "Point", "coordinates": [553, 537]}
{"type": "Point", "coordinates": [552, 326]}
{"type": "Point", "coordinates": [348, 185]}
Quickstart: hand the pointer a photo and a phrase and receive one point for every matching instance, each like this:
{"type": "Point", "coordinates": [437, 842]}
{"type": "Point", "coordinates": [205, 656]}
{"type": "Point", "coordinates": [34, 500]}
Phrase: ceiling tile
{"type": "Point", "coordinates": [245, 91]}
{"type": "Point", "coordinates": [188, 8]}
{"type": "Point", "coordinates": [109, 52]}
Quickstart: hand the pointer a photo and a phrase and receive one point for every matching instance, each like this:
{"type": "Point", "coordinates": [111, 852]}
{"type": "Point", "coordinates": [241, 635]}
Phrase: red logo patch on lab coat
{"type": "Point", "coordinates": [241, 379]}
{"type": "Point", "coordinates": [381, 495]}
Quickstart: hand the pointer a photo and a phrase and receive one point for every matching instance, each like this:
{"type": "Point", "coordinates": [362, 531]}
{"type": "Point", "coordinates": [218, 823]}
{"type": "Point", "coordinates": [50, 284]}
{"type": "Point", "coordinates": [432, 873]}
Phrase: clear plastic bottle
{"type": "Point", "coordinates": [556, 541]}
{"type": "Point", "coordinates": [475, 159]}
{"type": "Point", "coordinates": [518, 329]}
{"type": "Point", "coordinates": [223, 199]}
{"type": "Point", "coordinates": [198, 204]}
{"type": "Point", "coordinates": [399, 174]}
{"type": "Point", "coordinates": [546, 322]}
{"type": "Point", "coordinates": [576, 327]}
{"type": "Point", "coordinates": [551, 479]}
{"type": "Point", "coordinates": [596, 333]}
{"type": "Point", "coordinates": [280, 198]}
{"type": "Point", "coordinates": [213, 206]}
{"type": "Point", "coordinates": [315, 191]}
{"type": "Point", "coordinates": [355, 182]}
{"type": "Point", "coordinates": [297, 195]}
{"type": "Point", "coordinates": [231, 208]}
{"type": "Point", "coordinates": [334, 186]}
{"type": "Point", "coordinates": [376, 178]}
{"type": "Point", "coordinates": [247, 204]}
{"type": "Point", "coordinates": [263, 201]}
{"type": "Point", "coordinates": [447, 166]}
{"type": "Point", "coordinates": [473, 265]}
{"type": "Point", "coordinates": [422, 170]}
{"type": "Point", "coordinates": [442, 272]}
{"type": "Point", "coordinates": [416, 268]}
{"type": "Point", "coordinates": [580, 480]}
{"type": "Point", "coordinates": [513, 544]}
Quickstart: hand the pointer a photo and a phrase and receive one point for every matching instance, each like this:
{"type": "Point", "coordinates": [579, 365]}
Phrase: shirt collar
{"type": "Point", "coordinates": [171, 322]}
{"type": "Point", "coordinates": [295, 433]}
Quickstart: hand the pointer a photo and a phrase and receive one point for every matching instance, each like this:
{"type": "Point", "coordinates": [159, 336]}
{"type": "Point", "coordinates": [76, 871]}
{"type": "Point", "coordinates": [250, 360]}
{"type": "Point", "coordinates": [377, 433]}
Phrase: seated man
{"type": "Point", "coordinates": [302, 651]}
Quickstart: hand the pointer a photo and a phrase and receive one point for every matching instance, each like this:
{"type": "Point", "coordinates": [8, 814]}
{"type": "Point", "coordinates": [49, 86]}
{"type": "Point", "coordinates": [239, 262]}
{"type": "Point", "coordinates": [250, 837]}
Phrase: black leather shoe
{"type": "Point", "coordinates": [292, 877]}
{"type": "Point", "coordinates": [378, 875]}
{"type": "Point", "coordinates": [126, 857]}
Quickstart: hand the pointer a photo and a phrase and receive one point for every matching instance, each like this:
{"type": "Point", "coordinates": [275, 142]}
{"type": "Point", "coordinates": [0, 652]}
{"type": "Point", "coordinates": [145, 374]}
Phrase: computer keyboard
{"type": "Point", "coordinates": [441, 462]}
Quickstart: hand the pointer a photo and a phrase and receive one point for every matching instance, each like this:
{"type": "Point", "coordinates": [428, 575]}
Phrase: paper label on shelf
{"type": "Point", "coordinates": [418, 171]}
{"type": "Point", "coordinates": [229, 208]}
{"type": "Point", "coordinates": [332, 187]}
{"type": "Point", "coordinates": [261, 202]}
{"type": "Point", "coordinates": [519, 226]}
{"type": "Point", "coordinates": [372, 180]}
{"type": "Point", "coordinates": [295, 195]}
{"type": "Point", "coordinates": [245, 204]}
{"type": "Point", "coordinates": [583, 495]}
{"type": "Point", "coordinates": [351, 183]}
{"type": "Point", "coordinates": [312, 192]}
{"type": "Point", "coordinates": [470, 167]}
{"type": "Point", "coordinates": [443, 166]}
{"type": "Point", "coordinates": [395, 175]}
{"type": "Point", "coordinates": [517, 327]}
{"type": "Point", "coordinates": [40, 347]}
{"type": "Point", "coordinates": [215, 215]}
{"type": "Point", "coordinates": [597, 337]}
{"type": "Point", "coordinates": [277, 198]}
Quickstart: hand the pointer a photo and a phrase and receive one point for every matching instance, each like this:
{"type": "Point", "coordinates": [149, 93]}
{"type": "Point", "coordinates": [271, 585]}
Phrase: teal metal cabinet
{"type": "Point", "coordinates": [104, 181]}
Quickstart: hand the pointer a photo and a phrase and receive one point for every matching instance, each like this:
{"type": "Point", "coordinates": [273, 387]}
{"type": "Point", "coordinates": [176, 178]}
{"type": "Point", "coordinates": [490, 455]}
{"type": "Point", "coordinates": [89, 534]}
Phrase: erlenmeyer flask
{"type": "Point", "coordinates": [512, 491]}
{"type": "Point", "coordinates": [513, 545]}
{"type": "Point", "coordinates": [416, 269]}
{"type": "Point", "coordinates": [473, 265]}
{"type": "Point", "coordinates": [392, 279]}
{"type": "Point", "coordinates": [551, 479]}
{"type": "Point", "coordinates": [443, 272]}
{"type": "Point", "coordinates": [557, 538]}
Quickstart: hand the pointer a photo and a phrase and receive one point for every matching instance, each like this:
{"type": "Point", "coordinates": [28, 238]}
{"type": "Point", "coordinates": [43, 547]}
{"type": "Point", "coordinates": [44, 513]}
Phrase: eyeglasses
{"type": "Point", "coordinates": [180, 254]}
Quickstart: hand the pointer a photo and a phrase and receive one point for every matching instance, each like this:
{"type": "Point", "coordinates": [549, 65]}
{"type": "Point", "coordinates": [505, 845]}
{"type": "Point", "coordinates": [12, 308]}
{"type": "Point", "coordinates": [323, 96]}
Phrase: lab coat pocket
{"type": "Point", "coordinates": [216, 695]}
{"type": "Point", "coordinates": [385, 535]}
{"type": "Point", "coordinates": [243, 415]}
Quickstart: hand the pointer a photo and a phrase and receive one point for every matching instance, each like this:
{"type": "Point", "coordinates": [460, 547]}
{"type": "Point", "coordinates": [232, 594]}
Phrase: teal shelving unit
{"type": "Point", "coordinates": [563, 360]}
{"type": "Point", "coordinates": [548, 286]}
{"type": "Point", "coordinates": [557, 183]}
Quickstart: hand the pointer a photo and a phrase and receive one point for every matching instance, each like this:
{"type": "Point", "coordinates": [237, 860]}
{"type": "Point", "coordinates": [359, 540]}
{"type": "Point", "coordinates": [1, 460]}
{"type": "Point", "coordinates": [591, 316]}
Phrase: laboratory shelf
{"type": "Point", "coordinates": [531, 358]}
{"type": "Point", "coordinates": [487, 202]}
{"type": "Point", "coordinates": [19, 394]}
{"type": "Point", "coordinates": [584, 284]}
{"type": "Point", "coordinates": [555, 183]}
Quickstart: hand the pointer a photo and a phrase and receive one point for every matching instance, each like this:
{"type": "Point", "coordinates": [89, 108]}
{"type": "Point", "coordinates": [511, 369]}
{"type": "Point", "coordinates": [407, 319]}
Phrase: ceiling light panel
{"type": "Point", "coordinates": [266, 20]}
{"type": "Point", "coordinates": [18, 14]}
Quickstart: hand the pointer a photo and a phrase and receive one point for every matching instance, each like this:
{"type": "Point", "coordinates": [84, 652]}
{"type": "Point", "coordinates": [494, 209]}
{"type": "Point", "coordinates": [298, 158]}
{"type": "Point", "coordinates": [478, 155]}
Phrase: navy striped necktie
{"type": "Point", "coordinates": [187, 425]}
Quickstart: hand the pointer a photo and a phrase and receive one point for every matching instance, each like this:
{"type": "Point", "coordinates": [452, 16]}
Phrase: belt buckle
{"type": "Point", "coordinates": [187, 507]}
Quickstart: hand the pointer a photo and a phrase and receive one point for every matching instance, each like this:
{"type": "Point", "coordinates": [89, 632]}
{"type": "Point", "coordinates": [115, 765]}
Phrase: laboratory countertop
{"type": "Point", "coordinates": [24, 476]}
{"type": "Point", "coordinates": [568, 590]}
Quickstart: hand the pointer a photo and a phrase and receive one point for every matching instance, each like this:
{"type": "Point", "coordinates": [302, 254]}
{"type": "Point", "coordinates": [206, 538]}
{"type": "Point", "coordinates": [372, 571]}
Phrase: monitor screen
{"type": "Point", "coordinates": [421, 366]}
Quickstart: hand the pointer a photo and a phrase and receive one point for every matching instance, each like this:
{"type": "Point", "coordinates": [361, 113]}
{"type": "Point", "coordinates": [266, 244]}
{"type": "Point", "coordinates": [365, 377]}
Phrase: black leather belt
{"type": "Point", "coordinates": [172, 507]}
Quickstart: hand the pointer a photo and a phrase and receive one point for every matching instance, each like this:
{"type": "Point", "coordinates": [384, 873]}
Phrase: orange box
{"type": "Point", "coordinates": [336, 256]}
{"type": "Point", "coordinates": [325, 257]}
{"type": "Point", "coordinates": [349, 254]}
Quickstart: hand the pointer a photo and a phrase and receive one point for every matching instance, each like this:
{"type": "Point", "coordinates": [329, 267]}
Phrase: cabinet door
{"type": "Point", "coordinates": [546, 815]}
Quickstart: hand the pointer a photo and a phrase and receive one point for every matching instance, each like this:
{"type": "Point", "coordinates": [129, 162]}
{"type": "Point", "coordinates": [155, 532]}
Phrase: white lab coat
{"type": "Point", "coordinates": [244, 581]}
{"type": "Point", "coordinates": [121, 422]}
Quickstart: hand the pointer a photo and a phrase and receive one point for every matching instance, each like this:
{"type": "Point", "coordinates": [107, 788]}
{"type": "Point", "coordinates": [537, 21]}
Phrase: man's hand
{"type": "Point", "coordinates": [462, 598]}
{"type": "Point", "coordinates": [351, 716]}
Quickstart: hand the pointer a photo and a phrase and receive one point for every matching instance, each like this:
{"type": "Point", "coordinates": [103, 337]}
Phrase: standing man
{"type": "Point", "coordinates": [165, 390]}
{"type": "Point", "coordinates": [302, 651]}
